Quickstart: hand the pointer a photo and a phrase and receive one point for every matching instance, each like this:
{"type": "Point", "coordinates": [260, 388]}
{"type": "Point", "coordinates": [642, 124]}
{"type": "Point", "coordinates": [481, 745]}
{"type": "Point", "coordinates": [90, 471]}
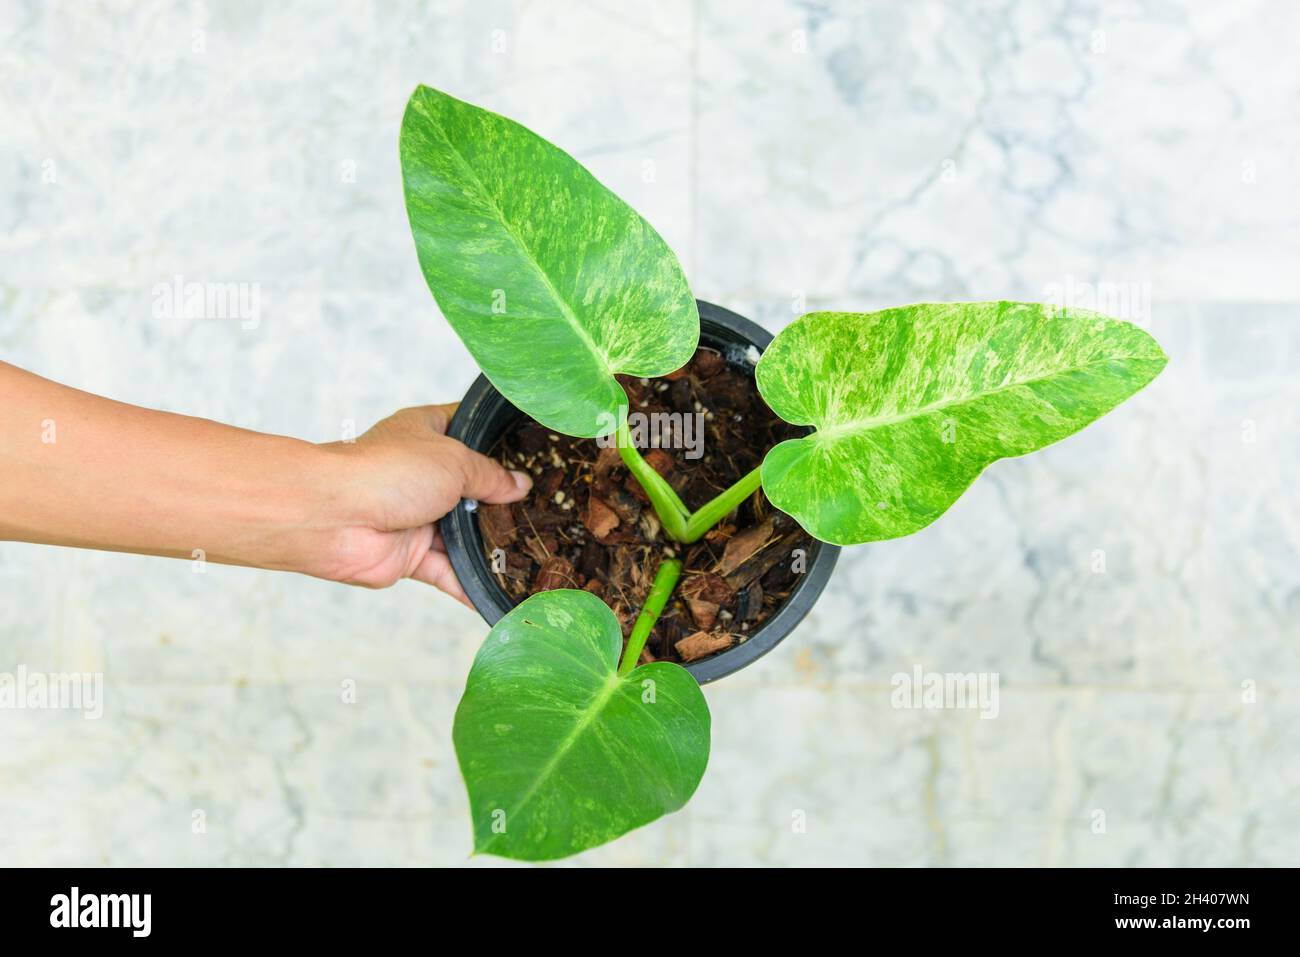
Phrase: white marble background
{"type": "Point", "coordinates": [846, 155]}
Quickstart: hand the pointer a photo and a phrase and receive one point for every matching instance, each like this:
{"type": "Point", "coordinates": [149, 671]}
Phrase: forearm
{"type": "Point", "coordinates": [78, 469]}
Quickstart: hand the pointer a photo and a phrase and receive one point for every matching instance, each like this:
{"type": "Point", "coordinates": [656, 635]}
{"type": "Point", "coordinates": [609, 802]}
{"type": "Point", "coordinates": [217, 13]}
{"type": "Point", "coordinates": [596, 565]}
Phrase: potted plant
{"type": "Point", "coordinates": [864, 427]}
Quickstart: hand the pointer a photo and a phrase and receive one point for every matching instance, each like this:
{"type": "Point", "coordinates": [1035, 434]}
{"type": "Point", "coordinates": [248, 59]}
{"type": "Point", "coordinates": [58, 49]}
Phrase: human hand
{"type": "Point", "coordinates": [399, 478]}
{"type": "Point", "coordinates": [80, 470]}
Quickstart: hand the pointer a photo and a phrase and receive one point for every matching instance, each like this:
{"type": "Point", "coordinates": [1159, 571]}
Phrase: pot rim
{"type": "Point", "coordinates": [483, 406]}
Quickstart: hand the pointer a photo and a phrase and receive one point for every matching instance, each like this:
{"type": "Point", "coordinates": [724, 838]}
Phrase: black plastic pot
{"type": "Point", "coordinates": [485, 414]}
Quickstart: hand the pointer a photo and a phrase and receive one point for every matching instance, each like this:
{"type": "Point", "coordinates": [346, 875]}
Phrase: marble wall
{"type": "Point", "coordinates": [1135, 588]}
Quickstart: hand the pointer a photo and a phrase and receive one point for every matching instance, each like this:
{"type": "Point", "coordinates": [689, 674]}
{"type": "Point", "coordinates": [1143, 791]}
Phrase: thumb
{"type": "Point", "coordinates": [487, 480]}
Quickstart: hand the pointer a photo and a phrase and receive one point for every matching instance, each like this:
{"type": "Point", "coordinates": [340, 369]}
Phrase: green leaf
{"type": "Point", "coordinates": [560, 754]}
{"type": "Point", "coordinates": [910, 404]}
{"type": "Point", "coordinates": [553, 283]}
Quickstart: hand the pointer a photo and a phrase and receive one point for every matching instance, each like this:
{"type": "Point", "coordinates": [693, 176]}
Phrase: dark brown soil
{"type": "Point", "coordinates": [588, 524]}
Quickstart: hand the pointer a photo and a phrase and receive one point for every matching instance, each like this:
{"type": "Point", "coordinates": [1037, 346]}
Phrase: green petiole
{"type": "Point", "coordinates": [672, 513]}
{"type": "Point", "coordinates": [680, 523]}
{"type": "Point", "coordinates": [670, 569]}
{"type": "Point", "coordinates": [715, 510]}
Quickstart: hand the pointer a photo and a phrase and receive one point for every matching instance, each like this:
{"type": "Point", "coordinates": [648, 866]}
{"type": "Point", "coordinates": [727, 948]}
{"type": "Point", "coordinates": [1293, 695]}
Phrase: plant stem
{"type": "Point", "coordinates": [670, 569]}
{"type": "Point", "coordinates": [678, 522]}
{"type": "Point", "coordinates": [672, 513]}
{"type": "Point", "coordinates": [715, 510]}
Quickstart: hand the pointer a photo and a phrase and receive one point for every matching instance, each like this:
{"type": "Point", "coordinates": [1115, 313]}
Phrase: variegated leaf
{"type": "Point", "coordinates": [911, 404]}
{"type": "Point", "coordinates": [559, 753]}
{"type": "Point", "coordinates": [553, 283]}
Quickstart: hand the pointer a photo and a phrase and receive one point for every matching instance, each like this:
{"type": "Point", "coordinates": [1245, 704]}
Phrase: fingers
{"type": "Point", "coordinates": [460, 472]}
{"type": "Point", "coordinates": [440, 415]}
{"type": "Point", "coordinates": [435, 569]}
{"type": "Point", "coordinates": [418, 418]}
{"type": "Point", "coordinates": [487, 480]}
{"type": "Point", "coordinates": [482, 478]}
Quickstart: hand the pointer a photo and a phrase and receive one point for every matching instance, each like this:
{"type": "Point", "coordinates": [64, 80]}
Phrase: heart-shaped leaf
{"type": "Point", "coordinates": [559, 753]}
{"type": "Point", "coordinates": [553, 283]}
{"type": "Point", "coordinates": [911, 404]}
